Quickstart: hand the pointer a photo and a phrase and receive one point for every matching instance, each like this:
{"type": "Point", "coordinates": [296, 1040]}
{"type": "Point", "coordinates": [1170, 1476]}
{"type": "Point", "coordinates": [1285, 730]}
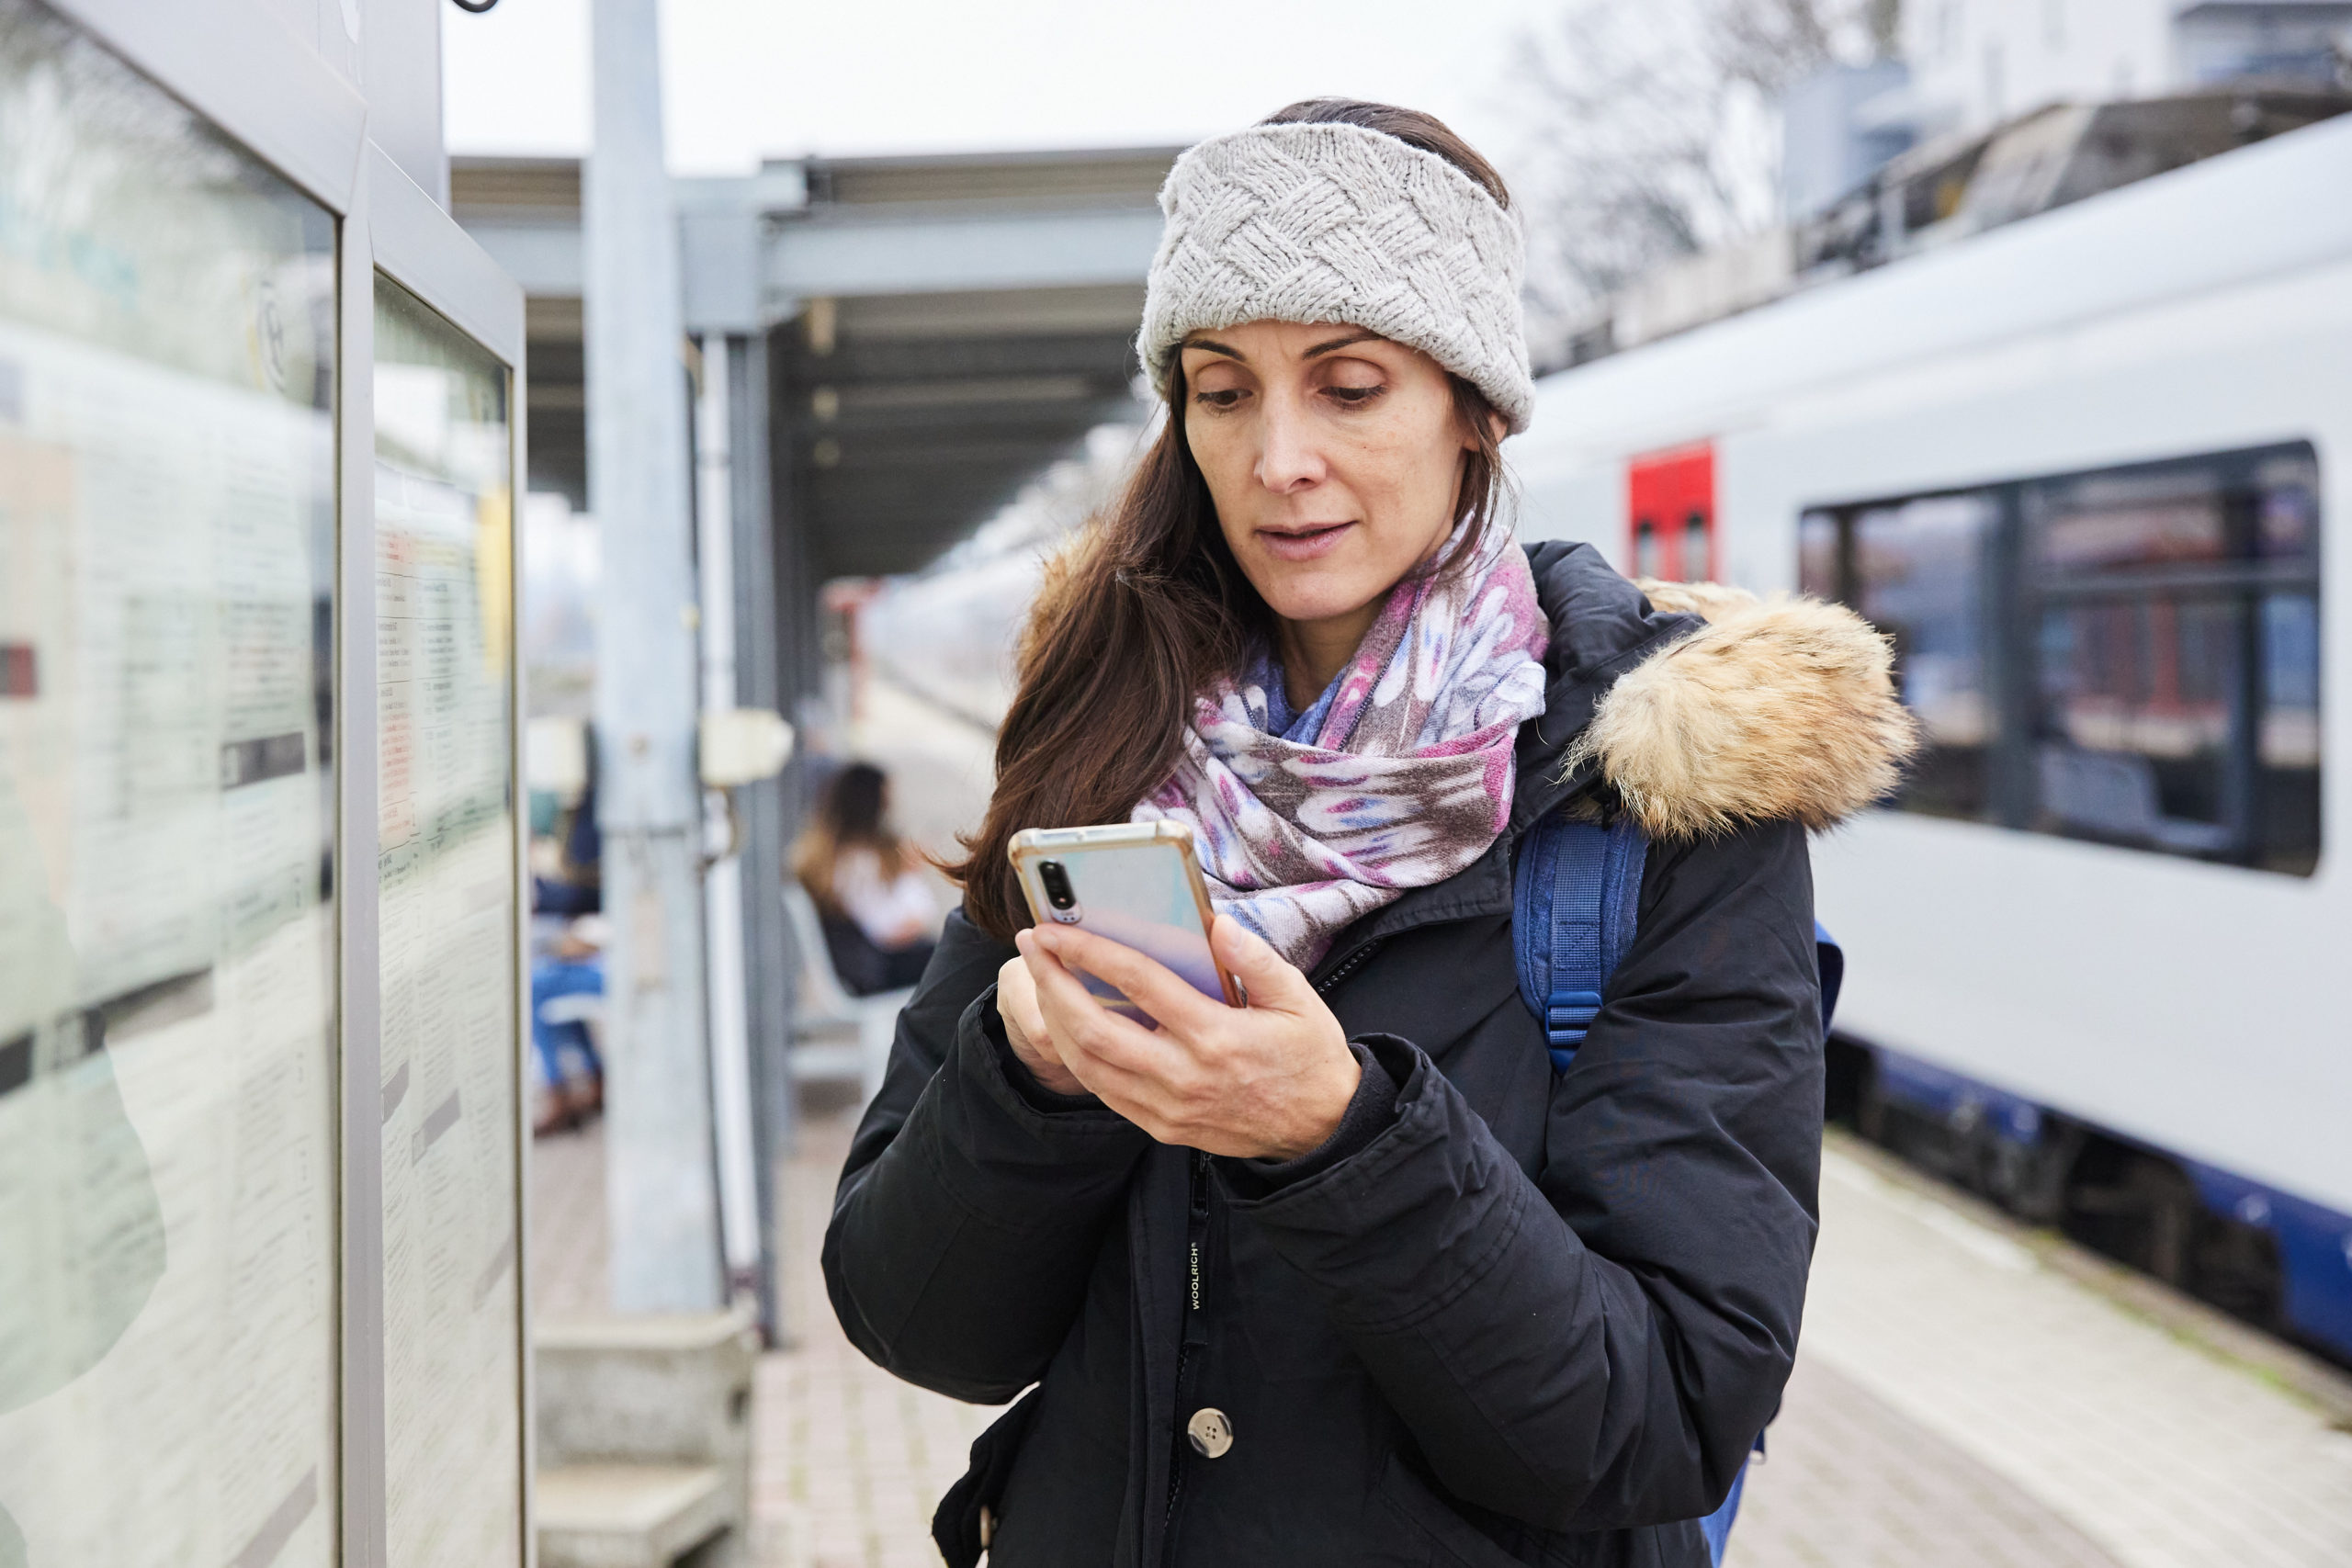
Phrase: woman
{"type": "Point", "coordinates": [875, 902]}
{"type": "Point", "coordinates": [1351, 1275]}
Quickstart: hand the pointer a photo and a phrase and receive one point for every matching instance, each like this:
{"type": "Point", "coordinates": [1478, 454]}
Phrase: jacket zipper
{"type": "Point", "coordinates": [1196, 1232]}
{"type": "Point", "coordinates": [1355, 961]}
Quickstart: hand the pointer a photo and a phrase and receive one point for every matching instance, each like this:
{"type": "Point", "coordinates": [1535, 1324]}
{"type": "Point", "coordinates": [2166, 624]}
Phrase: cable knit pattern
{"type": "Point", "coordinates": [1337, 223]}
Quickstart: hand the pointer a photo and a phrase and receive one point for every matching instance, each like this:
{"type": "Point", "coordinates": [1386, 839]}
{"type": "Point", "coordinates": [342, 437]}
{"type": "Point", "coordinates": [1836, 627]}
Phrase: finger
{"type": "Point", "coordinates": [1016, 1003]}
{"type": "Point", "coordinates": [1272, 980]}
{"type": "Point", "coordinates": [1091, 1038]}
{"type": "Point", "coordinates": [1067, 1006]}
{"type": "Point", "coordinates": [1143, 980]}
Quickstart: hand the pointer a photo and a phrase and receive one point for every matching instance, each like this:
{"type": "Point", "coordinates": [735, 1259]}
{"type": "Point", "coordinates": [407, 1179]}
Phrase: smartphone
{"type": "Point", "coordinates": [1137, 884]}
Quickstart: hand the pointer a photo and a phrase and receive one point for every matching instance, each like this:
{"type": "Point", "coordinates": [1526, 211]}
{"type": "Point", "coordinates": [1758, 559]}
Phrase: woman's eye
{"type": "Point", "coordinates": [1223, 398]}
{"type": "Point", "coordinates": [1353, 397]}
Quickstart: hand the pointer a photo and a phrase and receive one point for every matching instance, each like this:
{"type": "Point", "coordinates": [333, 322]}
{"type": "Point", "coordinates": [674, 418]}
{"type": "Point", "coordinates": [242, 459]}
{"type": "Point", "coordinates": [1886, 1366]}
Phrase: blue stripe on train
{"type": "Point", "coordinates": [2314, 1242]}
{"type": "Point", "coordinates": [2314, 1249]}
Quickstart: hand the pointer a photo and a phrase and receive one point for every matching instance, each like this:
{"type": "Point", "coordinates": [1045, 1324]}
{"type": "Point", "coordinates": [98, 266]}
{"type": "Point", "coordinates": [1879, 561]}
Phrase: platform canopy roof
{"type": "Point", "coordinates": [939, 328]}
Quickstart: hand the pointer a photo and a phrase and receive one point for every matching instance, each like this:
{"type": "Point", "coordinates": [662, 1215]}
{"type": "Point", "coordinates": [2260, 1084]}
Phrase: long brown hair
{"type": "Point", "coordinates": [1147, 607]}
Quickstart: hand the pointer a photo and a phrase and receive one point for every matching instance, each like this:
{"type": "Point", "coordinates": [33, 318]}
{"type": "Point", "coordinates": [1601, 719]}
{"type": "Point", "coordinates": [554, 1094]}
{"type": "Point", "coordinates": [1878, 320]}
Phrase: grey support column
{"type": "Point", "coordinates": [768, 997]}
{"type": "Point", "coordinates": [659, 1178]}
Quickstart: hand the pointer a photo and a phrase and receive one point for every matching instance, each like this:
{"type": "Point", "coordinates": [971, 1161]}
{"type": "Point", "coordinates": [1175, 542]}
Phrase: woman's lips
{"type": "Point", "coordinates": [1304, 544]}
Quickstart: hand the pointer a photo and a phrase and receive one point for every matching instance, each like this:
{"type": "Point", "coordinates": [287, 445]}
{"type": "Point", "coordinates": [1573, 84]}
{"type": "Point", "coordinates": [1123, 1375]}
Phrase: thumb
{"type": "Point", "coordinates": [1272, 979]}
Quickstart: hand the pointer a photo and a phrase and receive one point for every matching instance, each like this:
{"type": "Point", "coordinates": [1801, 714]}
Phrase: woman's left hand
{"type": "Point", "coordinates": [1269, 1082]}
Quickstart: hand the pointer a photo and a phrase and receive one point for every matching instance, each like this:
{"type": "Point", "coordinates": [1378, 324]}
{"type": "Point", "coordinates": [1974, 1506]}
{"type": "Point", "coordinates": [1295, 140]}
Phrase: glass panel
{"type": "Point", "coordinates": [2286, 503]}
{"type": "Point", "coordinates": [167, 1090]}
{"type": "Point", "coordinates": [1919, 576]}
{"type": "Point", "coordinates": [1649, 556]}
{"type": "Point", "coordinates": [2137, 698]}
{"type": "Point", "coordinates": [445, 553]}
{"type": "Point", "coordinates": [2166, 693]}
{"type": "Point", "coordinates": [2179, 656]}
{"type": "Point", "coordinates": [2287, 808]}
{"type": "Point", "coordinates": [1695, 563]}
{"type": "Point", "coordinates": [1819, 539]}
{"type": "Point", "coordinates": [2165, 517]}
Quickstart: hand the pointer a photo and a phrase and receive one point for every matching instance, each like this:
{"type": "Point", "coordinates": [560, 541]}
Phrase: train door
{"type": "Point", "coordinates": [1670, 514]}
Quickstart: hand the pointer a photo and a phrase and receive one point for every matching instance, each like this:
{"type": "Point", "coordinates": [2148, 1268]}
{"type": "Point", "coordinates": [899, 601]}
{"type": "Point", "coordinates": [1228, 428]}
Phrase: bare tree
{"type": "Point", "coordinates": [1653, 133]}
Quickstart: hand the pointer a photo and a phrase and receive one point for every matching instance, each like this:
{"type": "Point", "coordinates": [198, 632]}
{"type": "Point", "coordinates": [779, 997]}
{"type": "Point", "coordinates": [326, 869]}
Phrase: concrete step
{"type": "Point", "coordinates": [826, 1061]}
{"type": "Point", "coordinates": [628, 1516]}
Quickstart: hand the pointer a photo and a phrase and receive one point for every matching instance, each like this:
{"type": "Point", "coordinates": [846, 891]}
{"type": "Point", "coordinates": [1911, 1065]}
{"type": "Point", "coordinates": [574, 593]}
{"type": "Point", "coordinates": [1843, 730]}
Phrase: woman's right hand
{"type": "Point", "coordinates": [1024, 1029]}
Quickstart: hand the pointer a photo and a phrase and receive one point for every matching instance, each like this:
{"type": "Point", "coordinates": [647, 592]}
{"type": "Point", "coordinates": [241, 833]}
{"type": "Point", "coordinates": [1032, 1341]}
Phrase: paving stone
{"type": "Point", "coordinates": [1848, 1482]}
{"type": "Point", "coordinates": [2163, 1454]}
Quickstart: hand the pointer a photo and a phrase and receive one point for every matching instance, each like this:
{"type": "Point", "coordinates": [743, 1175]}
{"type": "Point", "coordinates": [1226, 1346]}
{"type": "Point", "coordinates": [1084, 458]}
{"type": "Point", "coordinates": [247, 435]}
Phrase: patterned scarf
{"type": "Point", "coordinates": [1408, 775]}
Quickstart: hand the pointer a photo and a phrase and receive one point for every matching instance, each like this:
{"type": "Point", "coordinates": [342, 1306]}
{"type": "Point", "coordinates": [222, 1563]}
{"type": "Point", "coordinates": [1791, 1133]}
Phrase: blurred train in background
{"type": "Point", "coordinates": [2081, 471]}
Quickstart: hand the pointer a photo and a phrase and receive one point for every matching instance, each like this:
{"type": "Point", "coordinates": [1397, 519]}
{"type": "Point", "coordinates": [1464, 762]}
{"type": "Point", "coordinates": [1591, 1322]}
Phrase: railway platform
{"type": "Point", "coordinates": [1968, 1392]}
{"type": "Point", "coordinates": [1966, 1396]}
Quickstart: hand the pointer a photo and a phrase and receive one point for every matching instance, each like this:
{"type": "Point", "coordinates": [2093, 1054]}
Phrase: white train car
{"type": "Point", "coordinates": [2092, 473]}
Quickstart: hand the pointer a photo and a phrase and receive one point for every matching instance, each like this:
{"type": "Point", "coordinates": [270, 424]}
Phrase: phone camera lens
{"type": "Point", "coordinates": [1057, 880]}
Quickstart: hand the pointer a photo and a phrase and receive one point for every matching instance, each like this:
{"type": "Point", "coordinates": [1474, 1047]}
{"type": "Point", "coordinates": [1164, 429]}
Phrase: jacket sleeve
{"type": "Point", "coordinates": [970, 1210]}
{"type": "Point", "coordinates": [1598, 1347]}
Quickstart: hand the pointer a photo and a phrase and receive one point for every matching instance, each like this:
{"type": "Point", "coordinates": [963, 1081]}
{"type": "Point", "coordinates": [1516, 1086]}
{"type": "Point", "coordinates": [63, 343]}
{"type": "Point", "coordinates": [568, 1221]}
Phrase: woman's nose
{"type": "Point", "coordinates": [1288, 455]}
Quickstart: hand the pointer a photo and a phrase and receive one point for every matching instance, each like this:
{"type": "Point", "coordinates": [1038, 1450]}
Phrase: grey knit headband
{"type": "Point", "coordinates": [1337, 223]}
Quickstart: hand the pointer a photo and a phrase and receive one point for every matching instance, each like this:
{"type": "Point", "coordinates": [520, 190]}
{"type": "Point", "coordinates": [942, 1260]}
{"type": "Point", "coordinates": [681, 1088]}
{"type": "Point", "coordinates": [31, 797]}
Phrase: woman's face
{"type": "Point", "coordinates": [1333, 456]}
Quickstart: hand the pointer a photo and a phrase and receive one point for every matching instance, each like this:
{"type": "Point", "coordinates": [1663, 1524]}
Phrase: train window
{"type": "Point", "coordinates": [2130, 656]}
{"type": "Point", "coordinates": [1649, 556]}
{"type": "Point", "coordinates": [1697, 548]}
{"type": "Point", "coordinates": [1916, 569]}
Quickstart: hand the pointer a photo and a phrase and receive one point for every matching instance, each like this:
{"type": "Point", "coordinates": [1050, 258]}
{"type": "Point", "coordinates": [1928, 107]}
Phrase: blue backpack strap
{"type": "Point", "coordinates": [1830, 959]}
{"type": "Point", "coordinates": [1716, 1526]}
{"type": "Point", "coordinates": [1575, 901]}
{"type": "Point", "coordinates": [1576, 898]}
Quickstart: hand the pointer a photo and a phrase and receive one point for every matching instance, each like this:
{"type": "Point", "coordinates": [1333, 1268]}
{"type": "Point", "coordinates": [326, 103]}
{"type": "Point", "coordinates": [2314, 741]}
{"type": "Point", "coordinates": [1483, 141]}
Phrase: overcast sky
{"type": "Point", "coordinates": [746, 79]}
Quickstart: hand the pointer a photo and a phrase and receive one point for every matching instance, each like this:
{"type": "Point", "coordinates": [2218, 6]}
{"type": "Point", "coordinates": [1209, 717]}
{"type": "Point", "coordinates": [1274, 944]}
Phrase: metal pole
{"type": "Point", "coordinates": [731, 1066]}
{"type": "Point", "coordinates": [660, 1173]}
{"type": "Point", "coordinates": [761, 805]}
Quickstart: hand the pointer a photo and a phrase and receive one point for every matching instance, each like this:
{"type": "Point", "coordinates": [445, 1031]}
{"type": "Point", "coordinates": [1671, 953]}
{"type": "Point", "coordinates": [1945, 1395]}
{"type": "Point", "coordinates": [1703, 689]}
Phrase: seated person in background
{"type": "Point", "coordinates": [880, 914]}
{"type": "Point", "coordinates": [573, 966]}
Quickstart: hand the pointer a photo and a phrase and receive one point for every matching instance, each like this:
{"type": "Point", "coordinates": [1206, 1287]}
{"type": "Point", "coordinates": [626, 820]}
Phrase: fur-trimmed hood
{"type": "Point", "coordinates": [1702, 707]}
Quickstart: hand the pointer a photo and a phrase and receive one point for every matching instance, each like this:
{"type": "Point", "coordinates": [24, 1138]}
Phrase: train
{"type": "Point", "coordinates": [2087, 473]}
{"type": "Point", "coordinates": [2090, 474]}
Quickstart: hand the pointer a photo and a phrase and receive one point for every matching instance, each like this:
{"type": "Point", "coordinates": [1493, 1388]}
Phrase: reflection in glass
{"type": "Point", "coordinates": [2136, 699]}
{"type": "Point", "coordinates": [1918, 575]}
{"type": "Point", "coordinates": [2161, 690]}
{"type": "Point", "coordinates": [168, 1158]}
{"type": "Point", "coordinates": [2177, 701]}
{"type": "Point", "coordinates": [444, 555]}
{"type": "Point", "coordinates": [1649, 554]}
{"type": "Point", "coordinates": [1696, 566]}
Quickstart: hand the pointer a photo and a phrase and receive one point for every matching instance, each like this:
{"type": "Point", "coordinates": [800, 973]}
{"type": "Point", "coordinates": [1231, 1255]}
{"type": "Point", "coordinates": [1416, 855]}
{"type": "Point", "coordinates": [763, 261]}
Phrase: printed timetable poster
{"type": "Point", "coordinates": [447, 876]}
{"type": "Point", "coordinates": [167, 1030]}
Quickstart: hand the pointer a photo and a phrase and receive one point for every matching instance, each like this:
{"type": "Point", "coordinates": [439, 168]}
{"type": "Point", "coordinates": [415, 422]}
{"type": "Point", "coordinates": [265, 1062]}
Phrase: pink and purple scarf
{"type": "Point", "coordinates": [1408, 776]}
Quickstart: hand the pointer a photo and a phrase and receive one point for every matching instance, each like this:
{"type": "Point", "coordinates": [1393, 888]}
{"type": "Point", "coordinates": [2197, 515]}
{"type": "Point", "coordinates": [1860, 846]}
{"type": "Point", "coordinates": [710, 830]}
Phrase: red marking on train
{"type": "Point", "coordinates": [1670, 514]}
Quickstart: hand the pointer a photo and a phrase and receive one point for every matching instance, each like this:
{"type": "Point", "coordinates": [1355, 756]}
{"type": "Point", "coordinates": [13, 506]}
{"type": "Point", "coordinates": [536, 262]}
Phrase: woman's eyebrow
{"type": "Point", "coordinates": [1215, 348]}
{"type": "Point", "coordinates": [1339, 343]}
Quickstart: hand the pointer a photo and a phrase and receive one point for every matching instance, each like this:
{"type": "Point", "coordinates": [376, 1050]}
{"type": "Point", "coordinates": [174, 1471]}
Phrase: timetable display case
{"type": "Point", "coordinates": [262, 1300]}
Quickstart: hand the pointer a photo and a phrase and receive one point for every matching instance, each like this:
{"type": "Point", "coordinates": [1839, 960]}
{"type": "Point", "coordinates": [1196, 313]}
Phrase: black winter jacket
{"type": "Point", "coordinates": [1520, 1317]}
